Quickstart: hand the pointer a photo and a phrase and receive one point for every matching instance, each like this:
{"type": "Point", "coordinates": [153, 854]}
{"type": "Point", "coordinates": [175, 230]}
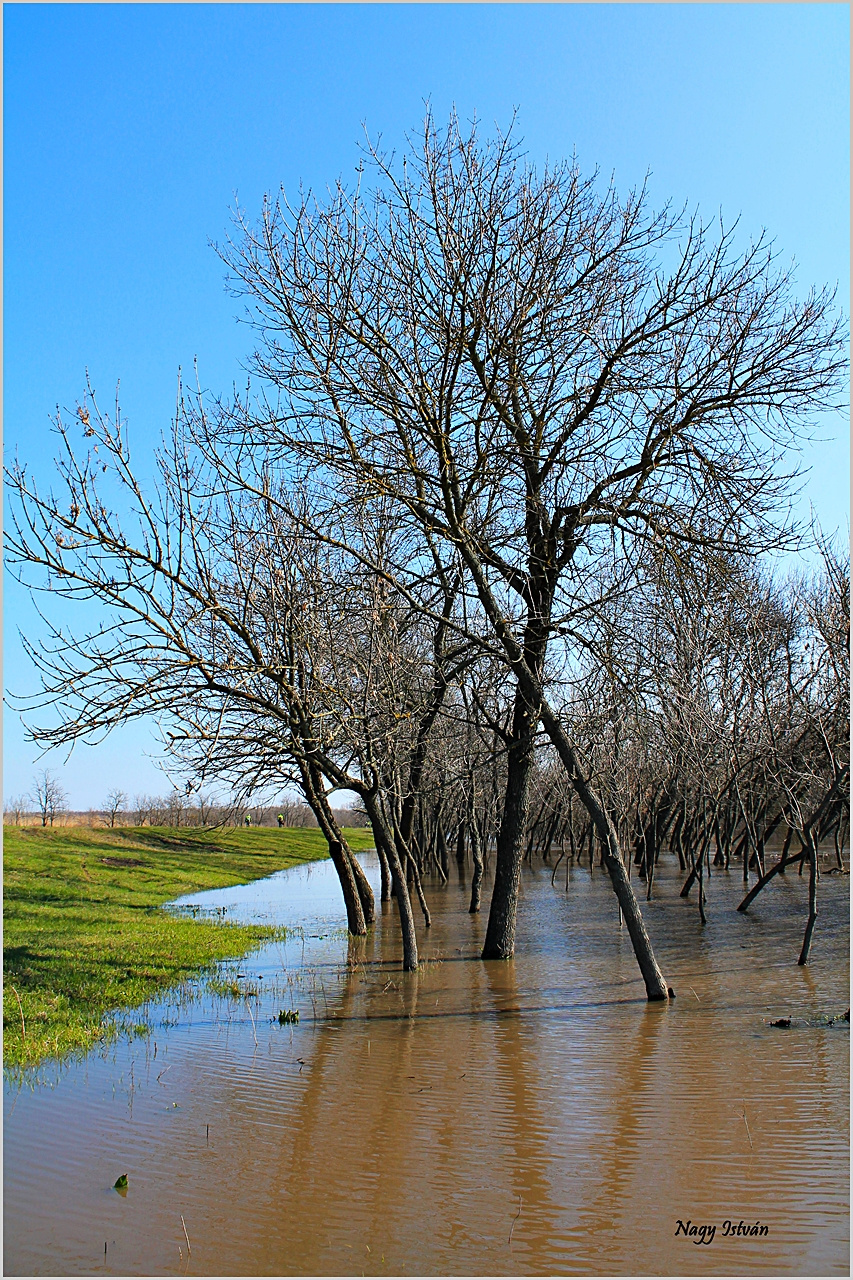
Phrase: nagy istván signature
{"type": "Point", "coordinates": [703, 1233]}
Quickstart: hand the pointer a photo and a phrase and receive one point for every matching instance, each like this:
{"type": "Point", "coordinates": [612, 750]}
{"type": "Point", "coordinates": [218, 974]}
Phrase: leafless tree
{"type": "Point", "coordinates": [142, 807]}
{"type": "Point", "coordinates": [114, 805]}
{"type": "Point", "coordinates": [49, 796]}
{"type": "Point", "coordinates": [18, 807]}
{"type": "Point", "coordinates": [496, 399]}
{"type": "Point", "coordinates": [720, 718]}
{"type": "Point", "coordinates": [351, 816]}
{"type": "Point", "coordinates": [805, 720]}
{"type": "Point", "coordinates": [220, 625]}
{"type": "Point", "coordinates": [292, 813]}
{"type": "Point", "coordinates": [539, 374]}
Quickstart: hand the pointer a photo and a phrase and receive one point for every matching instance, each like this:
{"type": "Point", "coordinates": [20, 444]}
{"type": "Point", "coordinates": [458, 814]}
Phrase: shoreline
{"type": "Point", "coordinates": [85, 934]}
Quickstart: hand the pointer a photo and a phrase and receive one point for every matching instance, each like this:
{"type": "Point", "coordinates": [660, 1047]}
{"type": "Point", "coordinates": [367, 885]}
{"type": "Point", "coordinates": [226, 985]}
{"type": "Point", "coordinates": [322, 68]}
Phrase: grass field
{"type": "Point", "coordinates": [83, 932]}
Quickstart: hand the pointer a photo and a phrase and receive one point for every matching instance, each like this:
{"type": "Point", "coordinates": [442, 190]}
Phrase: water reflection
{"type": "Point", "coordinates": [525, 1117]}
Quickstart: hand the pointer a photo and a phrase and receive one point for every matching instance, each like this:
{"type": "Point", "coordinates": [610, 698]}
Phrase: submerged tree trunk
{"type": "Point", "coordinates": [656, 987]}
{"type": "Point", "coordinates": [807, 938]}
{"type": "Point", "coordinates": [500, 931]}
{"type": "Point", "coordinates": [358, 896]}
{"type": "Point", "coordinates": [460, 844]}
{"type": "Point", "coordinates": [413, 875]}
{"type": "Point", "coordinates": [384, 872]}
{"type": "Point", "coordinates": [356, 923]}
{"type": "Point", "coordinates": [526, 663]}
{"type": "Point", "coordinates": [419, 890]}
{"type": "Point", "coordinates": [442, 860]}
{"type": "Point", "coordinates": [477, 855]}
{"type": "Point", "coordinates": [385, 843]}
{"type": "Point", "coordinates": [776, 869]}
{"type": "Point", "coordinates": [362, 883]}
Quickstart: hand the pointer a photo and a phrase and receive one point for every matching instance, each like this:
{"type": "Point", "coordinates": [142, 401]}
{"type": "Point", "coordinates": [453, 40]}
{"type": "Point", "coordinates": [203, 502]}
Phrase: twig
{"type": "Point", "coordinates": [514, 1221]}
{"type": "Point", "coordinates": [251, 1015]}
{"type": "Point", "coordinates": [746, 1122]}
{"type": "Point", "coordinates": [21, 1010]}
{"type": "Point", "coordinates": [165, 1069]}
{"type": "Point", "coordinates": [691, 989]}
{"type": "Point", "coordinates": [184, 1225]}
{"type": "Point", "coordinates": [15, 1103]}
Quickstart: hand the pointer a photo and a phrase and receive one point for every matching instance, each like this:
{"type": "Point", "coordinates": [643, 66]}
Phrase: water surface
{"type": "Point", "coordinates": [534, 1116]}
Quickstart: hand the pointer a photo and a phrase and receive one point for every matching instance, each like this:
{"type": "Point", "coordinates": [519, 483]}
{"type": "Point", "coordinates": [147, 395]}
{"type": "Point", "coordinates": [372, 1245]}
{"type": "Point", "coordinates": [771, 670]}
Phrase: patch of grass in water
{"type": "Point", "coordinates": [233, 989]}
{"type": "Point", "coordinates": [85, 934]}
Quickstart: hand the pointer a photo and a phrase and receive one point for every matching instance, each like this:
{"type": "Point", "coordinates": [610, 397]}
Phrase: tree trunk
{"type": "Point", "coordinates": [356, 923]}
{"type": "Point", "coordinates": [656, 987]}
{"type": "Point", "coordinates": [528, 676]}
{"type": "Point", "coordinates": [719, 860]}
{"type": "Point", "coordinates": [460, 844]}
{"type": "Point", "coordinates": [550, 837]}
{"type": "Point", "coordinates": [362, 883]}
{"type": "Point", "coordinates": [419, 890]}
{"type": "Point", "coordinates": [358, 896]}
{"type": "Point", "coordinates": [776, 869]}
{"type": "Point", "coordinates": [571, 832]}
{"type": "Point", "coordinates": [807, 938]}
{"type": "Point", "coordinates": [385, 843]}
{"type": "Point", "coordinates": [500, 931]}
{"type": "Point", "coordinates": [442, 852]}
{"type": "Point", "coordinates": [384, 872]}
{"type": "Point", "coordinates": [477, 880]}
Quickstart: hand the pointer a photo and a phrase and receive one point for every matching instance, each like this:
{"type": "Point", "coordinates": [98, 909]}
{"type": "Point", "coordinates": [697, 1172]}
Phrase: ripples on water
{"type": "Point", "coordinates": [530, 1116]}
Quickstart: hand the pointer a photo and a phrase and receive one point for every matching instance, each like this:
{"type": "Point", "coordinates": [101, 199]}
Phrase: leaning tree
{"type": "Point", "coordinates": [214, 619]}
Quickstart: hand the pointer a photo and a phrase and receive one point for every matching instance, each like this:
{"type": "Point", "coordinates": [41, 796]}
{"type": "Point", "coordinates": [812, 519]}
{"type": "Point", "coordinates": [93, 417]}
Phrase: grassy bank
{"type": "Point", "coordinates": [83, 933]}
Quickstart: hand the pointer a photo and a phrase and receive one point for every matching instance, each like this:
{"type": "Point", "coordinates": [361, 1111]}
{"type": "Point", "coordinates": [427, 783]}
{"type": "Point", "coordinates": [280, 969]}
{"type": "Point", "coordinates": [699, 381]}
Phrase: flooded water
{"type": "Point", "coordinates": [534, 1116]}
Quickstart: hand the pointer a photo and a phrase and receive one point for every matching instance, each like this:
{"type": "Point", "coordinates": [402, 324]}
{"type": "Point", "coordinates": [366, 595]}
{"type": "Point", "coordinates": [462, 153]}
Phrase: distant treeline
{"type": "Point", "coordinates": [175, 810]}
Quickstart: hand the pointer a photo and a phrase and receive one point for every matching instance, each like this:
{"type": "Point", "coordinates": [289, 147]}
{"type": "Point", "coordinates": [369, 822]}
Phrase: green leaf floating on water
{"type": "Point", "coordinates": [120, 1182]}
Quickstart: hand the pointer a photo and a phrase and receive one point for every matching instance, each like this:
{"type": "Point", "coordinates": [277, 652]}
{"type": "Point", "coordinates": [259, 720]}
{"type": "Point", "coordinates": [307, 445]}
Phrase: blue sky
{"type": "Point", "coordinates": [130, 130]}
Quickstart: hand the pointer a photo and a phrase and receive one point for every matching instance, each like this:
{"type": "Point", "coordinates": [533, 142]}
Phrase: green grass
{"type": "Point", "coordinates": [82, 938]}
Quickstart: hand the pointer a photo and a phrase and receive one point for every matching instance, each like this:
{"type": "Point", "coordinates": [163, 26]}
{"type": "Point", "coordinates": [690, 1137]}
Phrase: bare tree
{"type": "Point", "coordinates": [115, 804]}
{"type": "Point", "coordinates": [18, 806]}
{"type": "Point", "coordinates": [290, 813]}
{"type": "Point", "coordinates": [352, 816]}
{"type": "Point", "coordinates": [49, 796]}
{"type": "Point", "coordinates": [496, 398]}
{"type": "Point", "coordinates": [220, 625]}
{"type": "Point", "coordinates": [142, 805]}
{"type": "Point", "coordinates": [540, 375]}
{"type": "Point", "coordinates": [805, 720]}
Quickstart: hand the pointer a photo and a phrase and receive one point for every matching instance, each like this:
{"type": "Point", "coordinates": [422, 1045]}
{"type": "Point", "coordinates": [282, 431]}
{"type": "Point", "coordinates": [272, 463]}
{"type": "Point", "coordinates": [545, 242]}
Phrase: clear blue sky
{"type": "Point", "coordinates": [130, 129]}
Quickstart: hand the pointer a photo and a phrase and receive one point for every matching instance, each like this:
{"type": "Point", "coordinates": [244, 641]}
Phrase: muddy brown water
{"type": "Point", "coordinates": [525, 1117]}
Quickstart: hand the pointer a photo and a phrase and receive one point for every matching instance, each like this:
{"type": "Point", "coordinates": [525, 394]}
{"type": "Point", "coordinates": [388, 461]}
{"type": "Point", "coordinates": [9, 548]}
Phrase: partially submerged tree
{"type": "Point", "coordinates": [539, 375]}
{"type": "Point", "coordinates": [496, 400]}
{"type": "Point", "coordinates": [259, 653]}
